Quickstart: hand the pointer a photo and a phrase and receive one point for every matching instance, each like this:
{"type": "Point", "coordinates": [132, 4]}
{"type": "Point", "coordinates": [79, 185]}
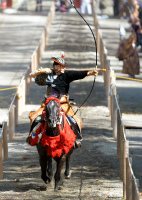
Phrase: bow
{"type": "Point", "coordinates": [96, 54]}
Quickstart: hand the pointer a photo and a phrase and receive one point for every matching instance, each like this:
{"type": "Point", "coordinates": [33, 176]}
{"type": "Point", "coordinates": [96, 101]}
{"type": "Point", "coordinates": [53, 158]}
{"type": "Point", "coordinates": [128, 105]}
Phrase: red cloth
{"type": "Point", "coordinates": [59, 144]}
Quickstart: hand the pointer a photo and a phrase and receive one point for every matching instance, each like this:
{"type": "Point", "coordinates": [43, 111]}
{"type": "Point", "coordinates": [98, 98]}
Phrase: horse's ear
{"type": "Point", "coordinates": [47, 111]}
{"type": "Point", "coordinates": [58, 104]}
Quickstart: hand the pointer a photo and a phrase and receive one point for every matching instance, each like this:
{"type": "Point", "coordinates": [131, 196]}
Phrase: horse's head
{"type": "Point", "coordinates": [52, 112]}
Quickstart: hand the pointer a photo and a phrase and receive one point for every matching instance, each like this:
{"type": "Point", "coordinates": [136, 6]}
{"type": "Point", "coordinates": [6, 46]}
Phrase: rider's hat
{"type": "Point", "coordinates": [61, 60]}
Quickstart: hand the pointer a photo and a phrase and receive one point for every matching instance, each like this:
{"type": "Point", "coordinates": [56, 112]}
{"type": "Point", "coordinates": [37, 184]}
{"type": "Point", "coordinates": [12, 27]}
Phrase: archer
{"type": "Point", "coordinates": [58, 82]}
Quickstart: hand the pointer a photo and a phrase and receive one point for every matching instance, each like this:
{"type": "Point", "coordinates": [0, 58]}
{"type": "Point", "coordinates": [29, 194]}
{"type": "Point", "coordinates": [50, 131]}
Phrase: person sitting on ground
{"type": "Point", "coordinates": [58, 83]}
{"type": "Point", "coordinates": [64, 5]}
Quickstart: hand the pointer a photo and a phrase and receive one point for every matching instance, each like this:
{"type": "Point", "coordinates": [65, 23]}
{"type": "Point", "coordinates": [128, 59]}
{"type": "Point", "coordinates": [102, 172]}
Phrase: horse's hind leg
{"type": "Point", "coordinates": [67, 171]}
{"type": "Point", "coordinates": [60, 162]}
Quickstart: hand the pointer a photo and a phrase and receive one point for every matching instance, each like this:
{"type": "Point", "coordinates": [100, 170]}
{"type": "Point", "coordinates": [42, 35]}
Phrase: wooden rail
{"type": "Point", "coordinates": [18, 102]}
{"type": "Point", "coordinates": [130, 183]}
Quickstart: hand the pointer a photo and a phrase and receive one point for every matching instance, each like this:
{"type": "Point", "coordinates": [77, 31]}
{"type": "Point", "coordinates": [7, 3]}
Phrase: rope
{"type": "Point", "coordinates": [9, 88]}
{"type": "Point", "coordinates": [132, 79]}
{"type": "Point", "coordinates": [7, 96]}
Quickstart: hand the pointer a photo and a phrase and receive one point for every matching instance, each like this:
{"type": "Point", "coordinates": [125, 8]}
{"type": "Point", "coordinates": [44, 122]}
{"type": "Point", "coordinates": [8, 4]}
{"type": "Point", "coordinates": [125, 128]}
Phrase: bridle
{"type": "Point", "coordinates": [60, 111]}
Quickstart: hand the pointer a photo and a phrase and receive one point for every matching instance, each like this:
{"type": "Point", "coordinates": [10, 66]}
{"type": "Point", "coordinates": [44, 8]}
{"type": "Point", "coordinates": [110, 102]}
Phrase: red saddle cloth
{"type": "Point", "coordinates": [55, 145]}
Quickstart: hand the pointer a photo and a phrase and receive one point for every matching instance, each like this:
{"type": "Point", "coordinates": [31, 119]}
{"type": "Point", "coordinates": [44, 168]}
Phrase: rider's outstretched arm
{"type": "Point", "coordinates": [40, 71]}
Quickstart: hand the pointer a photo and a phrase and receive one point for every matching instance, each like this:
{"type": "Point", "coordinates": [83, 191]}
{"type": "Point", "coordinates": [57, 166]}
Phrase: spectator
{"type": "Point", "coordinates": [138, 30]}
{"type": "Point", "coordinates": [64, 5]}
{"type": "Point", "coordinates": [77, 3]}
{"type": "Point", "coordinates": [116, 7]}
{"type": "Point", "coordinates": [56, 5]}
{"type": "Point", "coordinates": [86, 7]}
{"type": "Point", "coordinates": [39, 5]}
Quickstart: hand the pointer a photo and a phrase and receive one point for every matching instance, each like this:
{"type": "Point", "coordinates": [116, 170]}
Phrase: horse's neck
{"type": "Point", "coordinates": [52, 132]}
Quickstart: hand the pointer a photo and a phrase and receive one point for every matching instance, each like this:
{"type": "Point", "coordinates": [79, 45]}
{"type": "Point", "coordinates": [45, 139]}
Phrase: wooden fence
{"type": "Point", "coordinates": [18, 102]}
{"type": "Point", "coordinates": [130, 183]}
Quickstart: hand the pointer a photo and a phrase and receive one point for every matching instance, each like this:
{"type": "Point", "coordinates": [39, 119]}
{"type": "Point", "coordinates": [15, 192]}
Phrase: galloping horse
{"type": "Point", "coordinates": [56, 142]}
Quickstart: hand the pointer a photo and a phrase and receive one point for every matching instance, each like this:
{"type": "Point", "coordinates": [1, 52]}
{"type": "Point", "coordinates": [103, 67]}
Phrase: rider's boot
{"type": "Point", "coordinates": [78, 141]}
{"type": "Point", "coordinates": [77, 132]}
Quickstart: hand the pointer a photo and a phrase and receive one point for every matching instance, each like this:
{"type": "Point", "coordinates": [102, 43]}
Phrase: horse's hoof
{"type": "Point", "coordinates": [50, 174]}
{"type": "Point", "coordinates": [46, 180]}
{"type": "Point", "coordinates": [57, 189]}
{"type": "Point", "coordinates": [67, 176]}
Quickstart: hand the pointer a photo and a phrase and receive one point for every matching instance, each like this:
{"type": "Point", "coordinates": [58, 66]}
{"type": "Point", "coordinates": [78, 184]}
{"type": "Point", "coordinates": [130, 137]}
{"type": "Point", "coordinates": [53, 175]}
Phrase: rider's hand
{"type": "Point", "coordinates": [92, 73]}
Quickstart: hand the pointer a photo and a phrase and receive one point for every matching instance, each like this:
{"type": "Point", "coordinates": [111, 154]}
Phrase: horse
{"type": "Point", "coordinates": [57, 142]}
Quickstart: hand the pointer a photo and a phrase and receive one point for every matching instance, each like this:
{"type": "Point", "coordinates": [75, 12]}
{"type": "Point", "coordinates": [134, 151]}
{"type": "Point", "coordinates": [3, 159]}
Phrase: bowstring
{"type": "Point", "coordinates": [96, 55]}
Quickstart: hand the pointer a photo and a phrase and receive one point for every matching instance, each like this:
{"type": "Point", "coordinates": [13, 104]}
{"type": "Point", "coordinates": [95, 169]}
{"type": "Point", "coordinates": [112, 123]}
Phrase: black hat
{"type": "Point", "coordinates": [61, 60]}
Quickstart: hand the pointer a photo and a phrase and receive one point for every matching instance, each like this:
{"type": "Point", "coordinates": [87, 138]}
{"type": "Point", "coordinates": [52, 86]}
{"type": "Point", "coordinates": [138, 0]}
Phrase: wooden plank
{"type": "Point", "coordinates": [132, 121]}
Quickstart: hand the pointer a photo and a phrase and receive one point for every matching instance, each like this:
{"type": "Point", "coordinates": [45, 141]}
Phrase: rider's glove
{"type": "Point", "coordinates": [92, 72]}
{"type": "Point", "coordinates": [40, 71]}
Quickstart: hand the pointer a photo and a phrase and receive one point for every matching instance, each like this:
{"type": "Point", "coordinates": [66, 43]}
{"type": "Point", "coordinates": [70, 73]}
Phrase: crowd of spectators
{"type": "Point", "coordinates": [84, 6]}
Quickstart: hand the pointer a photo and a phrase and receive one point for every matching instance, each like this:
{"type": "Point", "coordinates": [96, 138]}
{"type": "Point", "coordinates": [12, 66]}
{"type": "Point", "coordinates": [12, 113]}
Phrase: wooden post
{"type": "Point", "coordinates": [35, 63]}
{"type": "Point", "coordinates": [16, 111]}
{"type": "Point", "coordinates": [111, 110]}
{"type": "Point", "coordinates": [32, 63]}
{"type": "Point", "coordinates": [128, 179]}
{"type": "Point", "coordinates": [23, 95]}
{"type": "Point", "coordinates": [135, 195]}
{"type": "Point", "coordinates": [118, 134]}
{"type": "Point", "coordinates": [125, 147]}
{"type": "Point", "coordinates": [26, 86]}
{"type": "Point", "coordinates": [108, 83]}
{"type": "Point", "coordinates": [1, 163]}
{"type": "Point", "coordinates": [101, 52]}
{"type": "Point", "coordinates": [114, 117]}
{"type": "Point", "coordinates": [104, 73]}
{"type": "Point", "coordinates": [19, 96]}
{"type": "Point", "coordinates": [121, 152]}
{"type": "Point", "coordinates": [98, 41]}
{"type": "Point", "coordinates": [110, 98]}
{"type": "Point", "coordinates": [11, 123]}
{"type": "Point", "coordinates": [5, 144]}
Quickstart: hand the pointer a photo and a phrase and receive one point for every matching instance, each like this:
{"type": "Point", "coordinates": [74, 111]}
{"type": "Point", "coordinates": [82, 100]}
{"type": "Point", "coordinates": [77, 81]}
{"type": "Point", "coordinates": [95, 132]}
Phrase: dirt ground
{"type": "Point", "coordinates": [94, 167]}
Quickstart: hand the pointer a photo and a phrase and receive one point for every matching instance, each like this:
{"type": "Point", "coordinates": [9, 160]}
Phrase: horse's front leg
{"type": "Point", "coordinates": [49, 169]}
{"type": "Point", "coordinates": [67, 170]}
{"type": "Point", "coordinates": [60, 162]}
{"type": "Point", "coordinates": [43, 164]}
{"type": "Point", "coordinates": [43, 159]}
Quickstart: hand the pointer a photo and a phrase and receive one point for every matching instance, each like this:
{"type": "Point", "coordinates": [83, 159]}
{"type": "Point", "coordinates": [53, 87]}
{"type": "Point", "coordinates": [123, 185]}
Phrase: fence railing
{"type": "Point", "coordinates": [18, 102]}
{"type": "Point", "coordinates": [130, 183]}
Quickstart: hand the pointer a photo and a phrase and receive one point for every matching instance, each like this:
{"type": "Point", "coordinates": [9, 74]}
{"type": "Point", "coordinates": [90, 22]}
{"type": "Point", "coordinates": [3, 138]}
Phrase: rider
{"type": "Point", "coordinates": [58, 82]}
